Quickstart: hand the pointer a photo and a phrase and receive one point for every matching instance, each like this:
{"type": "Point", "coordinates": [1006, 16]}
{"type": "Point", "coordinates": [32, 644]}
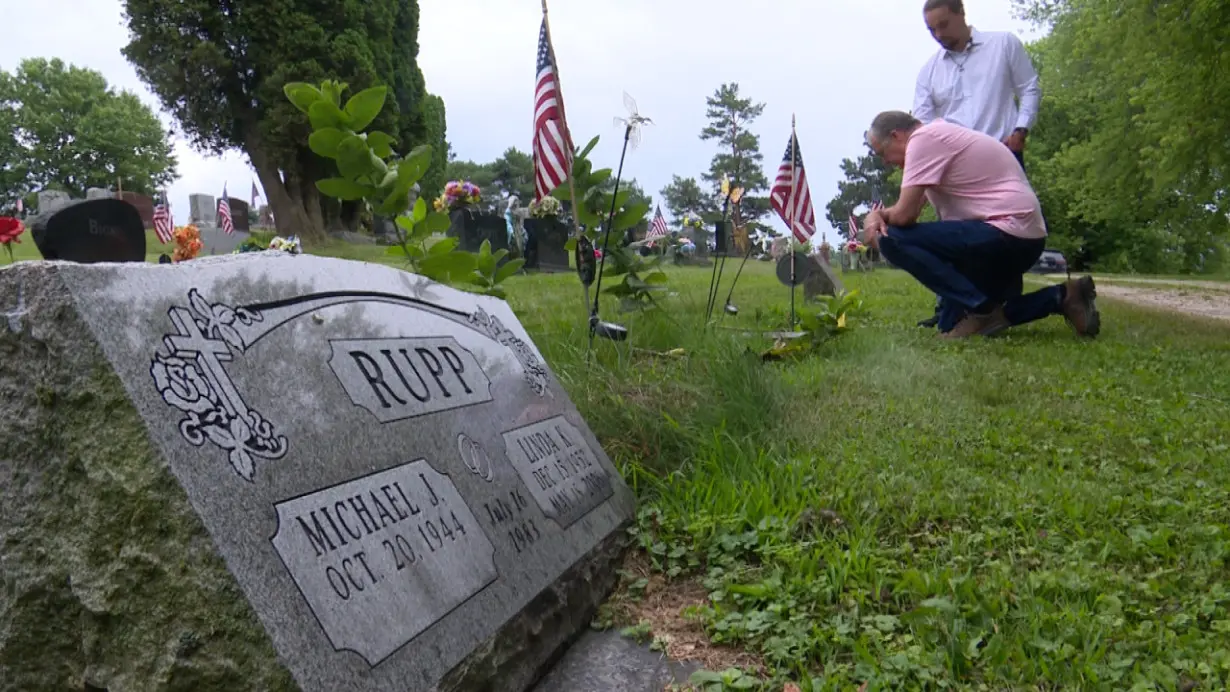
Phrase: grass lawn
{"type": "Point", "coordinates": [1030, 512]}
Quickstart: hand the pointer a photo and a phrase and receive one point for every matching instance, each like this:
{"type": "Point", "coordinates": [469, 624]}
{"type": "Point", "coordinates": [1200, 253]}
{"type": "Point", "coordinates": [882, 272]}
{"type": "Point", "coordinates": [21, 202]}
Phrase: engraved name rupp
{"type": "Point", "coordinates": [403, 378]}
{"type": "Point", "coordinates": [415, 377]}
{"type": "Point", "coordinates": [381, 558]}
{"type": "Point", "coordinates": [563, 474]}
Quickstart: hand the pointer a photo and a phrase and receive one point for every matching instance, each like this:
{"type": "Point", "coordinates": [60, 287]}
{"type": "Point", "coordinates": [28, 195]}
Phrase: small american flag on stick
{"type": "Point", "coordinates": [552, 146]}
{"type": "Point", "coordinates": [790, 197]}
{"type": "Point", "coordinates": [224, 213]}
{"type": "Point", "coordinates": [852, 231]}
{"type": "Point", "coordinates": [657, 229]}
{"type": "Point", "coordinates": [164, 225]}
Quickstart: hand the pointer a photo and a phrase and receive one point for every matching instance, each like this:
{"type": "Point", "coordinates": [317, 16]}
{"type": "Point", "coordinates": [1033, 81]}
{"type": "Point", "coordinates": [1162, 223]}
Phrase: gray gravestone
{"type": "Point", "coordinates": [215, 241]}
{"type": "Point", "coordinates": [282, 472]}
{"type": "Point", "coordinates": [202, 209]}
{"type": "Point", "coordinates": [98, 193]}
{"type": "Point", "coordinates": [821, 279]}
{"type": "Point", "coordinates": [50, 201]}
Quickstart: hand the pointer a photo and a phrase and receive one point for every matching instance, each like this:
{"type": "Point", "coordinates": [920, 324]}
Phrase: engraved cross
{"type": "Point", "coordinates": [209, 354]}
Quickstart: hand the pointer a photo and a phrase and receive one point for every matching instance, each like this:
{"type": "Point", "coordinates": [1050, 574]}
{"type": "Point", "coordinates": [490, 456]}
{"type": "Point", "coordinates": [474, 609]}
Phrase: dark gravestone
{"type": "Point", "coordinates": [93, 230]}
{"type": "Point", "coordinates": [547, 238]}
{"type": "Point", "coordinates": [144, 205]}
{"type": "Point", "coordinates": [282, 473]}
{"type": "Point", "coordinates": [473, 228]}
{"type": "Point", "coordinates": [239, 215]}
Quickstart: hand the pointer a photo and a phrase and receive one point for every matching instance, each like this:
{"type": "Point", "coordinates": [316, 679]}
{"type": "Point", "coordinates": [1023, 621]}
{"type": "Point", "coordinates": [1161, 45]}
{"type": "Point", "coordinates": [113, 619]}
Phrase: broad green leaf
{"type": "Point", "coordinates": [486, 260]}
{"type": "Point", "coordinates": [443, 246]}
{"type": "Point", "coordinates": [562, 193]}
{"type": "Point", "coordinates": [656, 278]}
{"type": "Point", "coordinates": [325, 141]}
{"type": "Point", "coordinates": [395, 251]}
{"type": "Point", "coordinates": [412, 168]}
{"type": "Point", "coordinates": [437, 222]}
{"type": "Point", "coordinates": [620, 289]}
{"type": "Point", "coordinates": [571, 244]}
{"type": "Point", "coordinates": [381, 143]}
{"type": "Point", "coordinates": [302, 95]}
{"type": "Point", "coordinates": [324, 114]}
{"type": "Point", "coordinates": [420, 210]}
{"type": "Point", "coordinates": [353, 157]}
{"type": "Point", "coordinates": [415, 251]}
{"type": "Point", "coordinates": [630, 216]}
{"type": "Point", "coordinates": [621, 199]}
{"type": "Point", "coordinates": [508, 269]}
{"type": "Point", "coordinates": [597, 178]}
{"type": "Point", "coordinates": [332, 90]}
{"type": "Point", "coordinates": [587, 217]}
{"type": "Point", "coordinates": [395, 203]}
{"type": "Point", "coordinates": [344, 189]}
{"type": "Point", "coordinates": [588, 148]}
{"type": "Point", "coordinates": [405, 223]}
{"type": "Point", "coordinates": [495, 292]}
{"type": "Point", "coordinates": [363, 107]}
{"type": "Point", "coordinates": [450, 264]}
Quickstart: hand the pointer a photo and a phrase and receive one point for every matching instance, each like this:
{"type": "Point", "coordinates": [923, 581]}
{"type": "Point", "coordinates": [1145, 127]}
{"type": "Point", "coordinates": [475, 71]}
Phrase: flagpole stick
{"type": "Point", "coordinates": [794, 181]}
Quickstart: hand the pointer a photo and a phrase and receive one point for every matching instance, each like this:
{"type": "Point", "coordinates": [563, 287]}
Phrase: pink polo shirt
{"type": "Point", "coordinates": [970, 176]}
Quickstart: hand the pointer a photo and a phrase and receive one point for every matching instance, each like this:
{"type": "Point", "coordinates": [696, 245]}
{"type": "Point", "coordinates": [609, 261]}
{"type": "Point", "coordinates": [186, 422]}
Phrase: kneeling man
{"type": "Point", "coordinates": [992, 230]}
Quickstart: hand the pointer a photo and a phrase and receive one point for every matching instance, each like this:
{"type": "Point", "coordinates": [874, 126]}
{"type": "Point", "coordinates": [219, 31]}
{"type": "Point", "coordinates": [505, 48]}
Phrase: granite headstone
{"type": "Point", "coordinates": [821, 279]}
{"type": "Point", "coordinates": [202, 209]}
{"type": "Point", "coordinates": [288, 472]}
{"type": "Point", "coordinates": [51, 201]}
{"type": "Point", "coordinates": [239, 215]}
{"type": "Point", "coordinates": [91, 230]}
{"type": "Point", "coordinates": [215, 241]}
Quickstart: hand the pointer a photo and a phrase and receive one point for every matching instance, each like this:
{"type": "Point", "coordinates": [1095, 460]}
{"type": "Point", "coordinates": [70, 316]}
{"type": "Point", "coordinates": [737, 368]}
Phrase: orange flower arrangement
{"type": "Point", "coordinates": [187, 243]}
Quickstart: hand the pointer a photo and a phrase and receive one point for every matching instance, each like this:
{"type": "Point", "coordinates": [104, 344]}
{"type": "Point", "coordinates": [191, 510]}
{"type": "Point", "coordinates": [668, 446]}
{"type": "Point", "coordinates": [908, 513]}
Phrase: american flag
{"type": "Point", "coordinates": [799, 207]}
{"type": "Point", "coordinates": [552, 146]}
{"type": "Point", "coordinates": [657, 229]}
{"type": "Point", "coordinates": [224, 213]}
{"type": "Point", "coordinates": [852, 231]}
{"type": "Point", "coordinates": [164, 225]}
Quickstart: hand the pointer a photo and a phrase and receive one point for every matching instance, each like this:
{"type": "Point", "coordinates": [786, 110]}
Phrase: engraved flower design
{"type": "Point", "coordinates": [218, 320]}
{"type": "Point", "coordinates": [535, 373]}
{"type": "Point", "coordinates": [182, 384]}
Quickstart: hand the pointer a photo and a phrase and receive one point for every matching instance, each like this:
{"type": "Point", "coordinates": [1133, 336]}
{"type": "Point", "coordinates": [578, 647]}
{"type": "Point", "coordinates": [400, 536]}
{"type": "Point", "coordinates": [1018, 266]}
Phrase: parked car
{"type": "Point", "coordinates": [1051, 262]}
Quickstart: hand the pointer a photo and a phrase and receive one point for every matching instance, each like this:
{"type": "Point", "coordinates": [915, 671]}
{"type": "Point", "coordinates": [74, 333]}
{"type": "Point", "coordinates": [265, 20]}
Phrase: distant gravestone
{"type": "Point", "coordinates": [144, 205]}
{"type": "Point", "coordinates": [94, 230]}
{"type": "Point", "coordinates": [99, 193]}
{"type": "Point", "coordinates": [202, 209]}
{"type": "Point", "coordinates": [215, 241]}
{"type": "Point", "coordinates": [546, 238]}
{"type": "Point", "coordinates": [50, 201]}
{"type": "Point", "coordinates": [821, 279]}
{"type": "Point", "coordinates": [288, 472]}
{"type": "Point", "coordinates": [239, 214]}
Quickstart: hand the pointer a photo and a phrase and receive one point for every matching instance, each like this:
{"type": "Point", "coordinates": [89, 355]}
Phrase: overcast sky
{"type": "Point", "coordinates": [833, 64]}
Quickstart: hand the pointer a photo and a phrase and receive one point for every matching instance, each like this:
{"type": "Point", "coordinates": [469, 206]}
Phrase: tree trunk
{"type": "Point", "coordinates": [291, 213]}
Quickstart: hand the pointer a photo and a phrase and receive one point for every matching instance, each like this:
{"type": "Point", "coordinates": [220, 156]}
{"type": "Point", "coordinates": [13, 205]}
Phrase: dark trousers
{"type": "Point", "coordinates": [939, 300]}
{"type": "Point", "coordinates": [971, 266]}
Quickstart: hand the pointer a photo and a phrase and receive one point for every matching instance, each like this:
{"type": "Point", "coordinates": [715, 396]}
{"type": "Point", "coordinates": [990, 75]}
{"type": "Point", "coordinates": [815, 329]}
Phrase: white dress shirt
{"type": "Point", "coordinates": [975, 88]}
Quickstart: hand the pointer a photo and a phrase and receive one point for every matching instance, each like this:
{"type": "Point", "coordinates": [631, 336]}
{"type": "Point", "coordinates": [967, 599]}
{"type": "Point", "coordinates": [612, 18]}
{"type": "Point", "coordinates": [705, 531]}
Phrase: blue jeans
{"type": "Point", "coordinates": [973, 267]}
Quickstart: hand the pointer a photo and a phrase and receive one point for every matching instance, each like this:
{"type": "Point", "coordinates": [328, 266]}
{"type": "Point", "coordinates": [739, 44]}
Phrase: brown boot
{"type": "Point", "coordinates": [1079, 307]}
{"type": "Point", "coordinates": [989, 324]}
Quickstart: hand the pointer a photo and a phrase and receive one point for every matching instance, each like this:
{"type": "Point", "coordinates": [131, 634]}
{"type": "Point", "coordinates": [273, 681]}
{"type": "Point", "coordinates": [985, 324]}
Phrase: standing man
{"type": "Point", "coordinates": [981, 80]}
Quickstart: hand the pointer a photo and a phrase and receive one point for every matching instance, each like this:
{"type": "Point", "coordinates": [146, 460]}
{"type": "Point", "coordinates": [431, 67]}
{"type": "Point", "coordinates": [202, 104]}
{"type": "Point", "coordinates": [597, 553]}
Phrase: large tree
{"type": "Point", "coordinates": [219, 68]}
{"type": "Point", "coordinates": [63, 127]}
{"type": "Point", "coordinates": [684, 196]}
{"type": "Point", "coordinates": [1130, 155]}
{"type": "Point", "coordinates": [730, 117]}
{"type": "Point", "coordinates": [863, 180]}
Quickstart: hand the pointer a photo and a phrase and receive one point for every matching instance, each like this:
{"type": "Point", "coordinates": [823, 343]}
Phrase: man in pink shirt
{"type": "Point", "coordinates": [991, 234]}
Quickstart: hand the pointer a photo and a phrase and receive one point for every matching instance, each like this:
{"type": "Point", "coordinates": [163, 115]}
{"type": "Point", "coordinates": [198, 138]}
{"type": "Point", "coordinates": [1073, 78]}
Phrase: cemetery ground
{"type": "Point", "coordinates": [1034, 510]}
{"type": "Point", "coordinates": [895, 511]}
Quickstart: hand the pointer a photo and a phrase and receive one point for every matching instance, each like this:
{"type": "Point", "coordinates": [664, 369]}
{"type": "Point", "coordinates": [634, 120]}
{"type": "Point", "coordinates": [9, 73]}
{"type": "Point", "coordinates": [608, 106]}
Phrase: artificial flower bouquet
{"type": "Point", "coordinates": [187, 243]}
{"type": "Point", "coordinates": [458, 194]}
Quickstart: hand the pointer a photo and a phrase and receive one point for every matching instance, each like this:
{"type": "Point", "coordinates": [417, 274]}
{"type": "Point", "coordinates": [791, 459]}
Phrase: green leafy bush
{"type": "Point", "coordinates": [369, 170]}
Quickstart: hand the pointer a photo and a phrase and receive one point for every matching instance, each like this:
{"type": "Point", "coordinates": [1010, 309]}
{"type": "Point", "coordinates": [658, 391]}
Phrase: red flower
{"type": "Point", "coordinates": [10, 229]}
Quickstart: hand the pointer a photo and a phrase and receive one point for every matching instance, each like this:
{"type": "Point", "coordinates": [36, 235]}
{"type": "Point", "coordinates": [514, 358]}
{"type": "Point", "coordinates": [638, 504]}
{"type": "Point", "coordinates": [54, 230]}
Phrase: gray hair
{"type": "Point", "coordinates": [889, 122]}
{"type": "Point", "coordinates": [954, 6]}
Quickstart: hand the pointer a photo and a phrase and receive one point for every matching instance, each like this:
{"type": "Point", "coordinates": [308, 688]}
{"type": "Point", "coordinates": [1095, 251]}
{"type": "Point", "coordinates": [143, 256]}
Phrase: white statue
{"type": "Point", "coordinates": [514, 218]}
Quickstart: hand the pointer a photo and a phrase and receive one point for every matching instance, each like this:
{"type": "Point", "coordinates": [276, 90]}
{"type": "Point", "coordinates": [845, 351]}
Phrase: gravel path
{"type": "Point", "coordinates": [1204, 303]}
{"type": "Point", "coordinates": [1209, 299]}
